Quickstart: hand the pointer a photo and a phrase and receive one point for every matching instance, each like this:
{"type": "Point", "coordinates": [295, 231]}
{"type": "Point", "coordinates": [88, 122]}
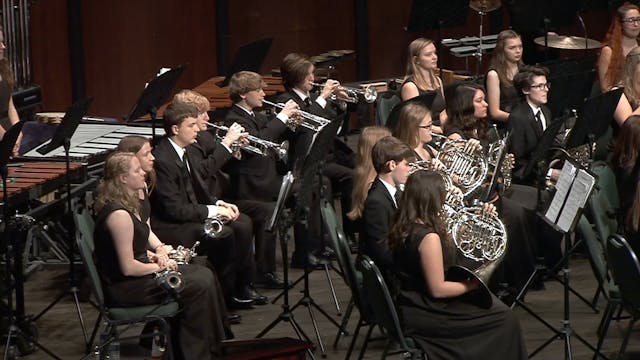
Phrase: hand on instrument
{"type": "Point", "coordinates": [171, 265]}
{"type": "Point", "coordinates": [472, 284]}
{"type": "Point", "coordinates": [489, 209]}
{"type": "Point", "coordinates": [474, 143]}
{"type": "Point", "coordinates": [234, 134]}
{"type": "Point", "coordinates": [438, 165]}
{"type": "Point", "coordinates": [161, 260]}
{"type": "Point", "coordinates": [329, 87]}
{"type": "Point", "coordinates": [230, 211]}
{"type": "Point", "coordinates": [290, 108]}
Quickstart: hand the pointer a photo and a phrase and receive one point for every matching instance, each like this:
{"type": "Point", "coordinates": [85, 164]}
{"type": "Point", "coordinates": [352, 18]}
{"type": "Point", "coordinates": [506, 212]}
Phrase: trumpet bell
{"type": "Point", "coordinates": [370, 94]}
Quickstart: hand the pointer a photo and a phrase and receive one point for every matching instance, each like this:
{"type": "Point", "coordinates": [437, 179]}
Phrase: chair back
{"type": "Point", "coordinates": [382, 305]}
{"type": "Point", "coordinates": [625, 269]}
{"type": "Point", "coordinates": [596, 251]}
{"type": "Point", "coordinates": [347, 266]}
{"type": "Point", "coordinates": [385, 102]}
{"type": "Point", "coordinates": [84, 238]}
{"type": "Point", "coordinates": [607, 182]}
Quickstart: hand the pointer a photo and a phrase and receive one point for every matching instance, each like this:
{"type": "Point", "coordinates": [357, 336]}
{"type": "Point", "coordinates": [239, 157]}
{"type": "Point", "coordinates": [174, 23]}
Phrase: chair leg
{"type": "Point", "coordinates": [94, 333]}
{"type": "Point", "coordinates": [385, 352]}
{"type": "Point", "coordinates": [625, 341]}
{"type": "Point", "coordinates": [596, 296]}
{"type": "Point", "coordinates": [355, 337]}
{"type": "Point", "coordinates": [344, 322]}
{"type": "Point", "coordinates": [366, 341]}
{"type": "Point", "coordinates": [603, 327]}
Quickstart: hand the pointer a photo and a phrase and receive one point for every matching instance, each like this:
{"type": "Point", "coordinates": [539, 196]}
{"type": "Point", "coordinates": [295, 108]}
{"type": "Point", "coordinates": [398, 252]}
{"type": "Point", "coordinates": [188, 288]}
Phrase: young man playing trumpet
{"type": "Point", "coordinates": [181, 203]}
{"type": "Point", "coordinates": [298, 77]}
{"type": "Point", "coordinates": [255, 178]}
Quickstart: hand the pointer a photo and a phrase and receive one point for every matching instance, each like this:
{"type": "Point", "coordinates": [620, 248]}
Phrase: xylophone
{"type": "Point", "coordinates": [91, 142]}
{"type": "Point", "coordinates": [32, 180]}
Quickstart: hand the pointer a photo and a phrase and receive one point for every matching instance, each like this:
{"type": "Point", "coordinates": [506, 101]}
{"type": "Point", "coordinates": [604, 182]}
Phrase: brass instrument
{"type": "Point", "coordinates": [466, 162]}
{"type": "Point", "coordinates": [213, 225]}
{"type": "Point", "coordinates": [310, 121]}
{"type": "Point", "coordinates": [353, 95]}
{"type": "Point", "coordinates": [169, 280]}
{"type": "Point", "coordinates": [497, 156]}
{"type": "Point", "coordinates": [182, 255]}
{"type": "Point", "coordinates": [260, 146]}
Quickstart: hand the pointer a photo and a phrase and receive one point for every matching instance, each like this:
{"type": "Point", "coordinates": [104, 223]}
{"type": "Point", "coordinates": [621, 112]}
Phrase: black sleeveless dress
{"type": "Point", "coordinates": [202, 318]}
{"type": "Point", "coordinates": [5, 96]}
{"type": "Point", "coordinates": [452, 328]}
{"type": "Point", "coordinates": [438, 104]}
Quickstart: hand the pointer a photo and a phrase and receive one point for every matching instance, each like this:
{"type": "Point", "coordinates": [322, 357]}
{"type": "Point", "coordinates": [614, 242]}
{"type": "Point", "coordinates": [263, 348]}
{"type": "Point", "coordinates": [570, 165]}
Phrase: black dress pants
{"type": "Point", "coordinates": [265, 241]}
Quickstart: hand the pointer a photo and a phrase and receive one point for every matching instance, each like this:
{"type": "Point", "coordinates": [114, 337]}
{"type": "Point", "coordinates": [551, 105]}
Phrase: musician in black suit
{"type": "Point", "coordinates": [529, 119]}
{"type": "Point", "coordinates": [209, 155]}
{"type": "Point", "coordinates": [181, 203]}
{"type": "Point", "coordinates": [255, 178]}
{"type": "Point", "coordinates": [390, 158]}
{"type": "Point", "coordinates": [298, 77]}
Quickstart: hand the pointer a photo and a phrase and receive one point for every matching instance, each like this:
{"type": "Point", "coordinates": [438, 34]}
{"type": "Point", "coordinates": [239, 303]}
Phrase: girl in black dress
{"type": "Point", "coordinates": [505, 62]}
{"type": "Point", "coordinates": [123, 241]}
{"type": "Point", "coordinates": [434, 311]}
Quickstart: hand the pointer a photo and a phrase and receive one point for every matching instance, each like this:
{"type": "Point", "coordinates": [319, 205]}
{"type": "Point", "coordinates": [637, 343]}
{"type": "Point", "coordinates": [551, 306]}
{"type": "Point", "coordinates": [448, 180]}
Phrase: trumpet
{"type": "Point", "coordinates": [310, 121]}
{"type": "Point", "coordinates": [260, 146]}
{"type": "Point", "coordinates": [183, 255]}
{"type": "Point", "coordinates": [353, 95]}
{"type": "Point", "coordinates": [213, 226]}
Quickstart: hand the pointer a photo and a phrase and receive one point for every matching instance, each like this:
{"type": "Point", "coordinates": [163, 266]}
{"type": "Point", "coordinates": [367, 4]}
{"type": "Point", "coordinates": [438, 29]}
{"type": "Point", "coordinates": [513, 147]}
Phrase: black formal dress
{"type": "Point", "coordinates": [202, 318]}
{"type": "Point", "coordinates": [178, 213]}
{"type": "Point", "coordinates": [379, 208]}
{"type": "Point", "coordinates": [5, 96]}
{"type": "Point", "coordinates": [452, 328]}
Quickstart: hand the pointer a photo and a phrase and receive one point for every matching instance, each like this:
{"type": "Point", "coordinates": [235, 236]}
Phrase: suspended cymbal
{"type": "Point", "coordinates": [568, 42]}
{"type": "Point", "coordinates": [484, 5]}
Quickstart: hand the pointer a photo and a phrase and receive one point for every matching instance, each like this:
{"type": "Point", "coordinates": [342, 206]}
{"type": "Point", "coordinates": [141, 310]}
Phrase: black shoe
{"type": "Point", "coordinates": [251, 293]}
{"type": "Point", "coordinates": [270, 281]}
{"type": "Point", "coordinates": [239, 303]}
{"type": "Point", "coordinates": [234, 318]}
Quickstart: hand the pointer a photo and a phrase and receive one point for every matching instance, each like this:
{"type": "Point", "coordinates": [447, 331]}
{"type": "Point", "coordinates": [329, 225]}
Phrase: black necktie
{"type": "Point", "coordinates": [397, 196]}
{"type": "Point", "coordinates": [539, 121]}
{"type": "Point", "coordinates": [185, 161]}
{"type": "Point", "coordinates": [307, 102]}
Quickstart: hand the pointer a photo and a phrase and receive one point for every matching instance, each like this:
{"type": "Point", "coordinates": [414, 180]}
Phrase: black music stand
{"type": "Point", "coordinates": [574, 188]}
{"type": "Point", "coordinates": [282, 219]}
{"type": "Point", "coordinates": [572, 81]}
{"type": "Point", "coordinates": [21, 330]}
{"type": "Point", "coordinates": [156, 93]}
{"type": "Point", "coordinates": [248, 57]}
{"type": "Point", "coordinates": [394, 115]}
{"type": "Point", "coordinates": [62, 137]}
{"type": "Point", "coordinates": [594, 118]}
{"type": "Point", "coordinates": [310, 173]}
{"type": "Point", "coordinates": [545, 144]}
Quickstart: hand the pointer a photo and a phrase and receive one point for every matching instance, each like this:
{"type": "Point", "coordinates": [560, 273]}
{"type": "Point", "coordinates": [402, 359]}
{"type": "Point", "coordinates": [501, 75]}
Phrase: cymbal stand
{"type": "Point", "coordinates": [479, 52]}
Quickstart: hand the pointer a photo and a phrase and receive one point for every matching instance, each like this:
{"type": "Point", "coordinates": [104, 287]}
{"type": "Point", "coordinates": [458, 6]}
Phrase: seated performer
{"type": "Point", "coordinates": [390, 158]}
{"type": "Point", "coordinates": [255, 179]}
{"type": "Point", "coordinates": [181, 203]}
{"type": "Point", "coordinates": [529, 119]}
{"type": "Point", "coordinates": [208, 156]}
{"type": "Point", "coordinates": [627, 169]}
{"type": "Point", "coordinates": [122, 238]}
{"type": "Point", "coordinates": [506, 58]}
{"type": "Point", "coordinates": [298, 77]}
{"type": "Point", "coordinates": [420, 78]}
{"type": "Point", "coordinates": [445, 325]}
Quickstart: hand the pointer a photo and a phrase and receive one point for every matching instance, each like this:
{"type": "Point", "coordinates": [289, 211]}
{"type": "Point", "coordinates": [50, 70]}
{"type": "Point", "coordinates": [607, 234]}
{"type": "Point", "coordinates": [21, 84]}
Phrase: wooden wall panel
{"type": "Point", "coordinates": [310, 27]}
{"type": "Point", "coordinates": [127, 42]}
{"type": "Point", "coordinates": [50, 53]}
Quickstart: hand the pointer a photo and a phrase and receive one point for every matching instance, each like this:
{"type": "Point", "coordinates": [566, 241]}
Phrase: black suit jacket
{"type": "Point", "coordinates": [302, 138]}
{"type": "Point", "coordinates": [255, 177]}
{"type": "Point", "coordinates": [525, 136]}
{"type": "Point", "coordinates": [180, 196]}
{"type": "Point", "coordinates": [376, 222]}
{"type": "Point", "coordinates": [208, 156]}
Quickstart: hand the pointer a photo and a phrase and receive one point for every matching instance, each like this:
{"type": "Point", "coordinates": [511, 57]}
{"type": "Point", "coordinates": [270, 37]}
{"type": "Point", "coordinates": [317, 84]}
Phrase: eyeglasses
{"type": "Point", "coordinates": [632, 20]}
{"type": "Point", "coordinates": [425, 126]}
{"type": "Point", "coordinates": [541, 86]}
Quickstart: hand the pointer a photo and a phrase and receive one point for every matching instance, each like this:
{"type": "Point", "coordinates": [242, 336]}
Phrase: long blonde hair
{"type": "Point", "coordinates": [422, 82]}
{"type": "Point", "coordinates": [629, 75]}
{"type": "Point", "coordinates": [364, 173]}
{"type": "Point", "coordinates": [111, 188]}
{"type": "Point", "coordinates": [499, 59]}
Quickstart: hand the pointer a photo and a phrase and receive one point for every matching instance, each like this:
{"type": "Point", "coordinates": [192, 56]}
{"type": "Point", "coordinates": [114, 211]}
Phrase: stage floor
{"type": "Point", "coordinates": [59, 329]}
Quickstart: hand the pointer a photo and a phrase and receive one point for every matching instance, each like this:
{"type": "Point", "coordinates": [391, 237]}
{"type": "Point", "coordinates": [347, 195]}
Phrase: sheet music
{"type": "Point", "coordinates": [576, 200]}
{"type": "Point", "coordinates": [562, 189]}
